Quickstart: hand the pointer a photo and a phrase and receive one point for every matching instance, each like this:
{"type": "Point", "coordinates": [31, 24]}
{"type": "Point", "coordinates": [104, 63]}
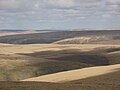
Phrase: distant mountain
{"type": "Point", "coordinates": [44, 30]}
{"type": "Point", "coordinates": [7, 30]}
{"type": "Point", "coordinates": [51, 37]}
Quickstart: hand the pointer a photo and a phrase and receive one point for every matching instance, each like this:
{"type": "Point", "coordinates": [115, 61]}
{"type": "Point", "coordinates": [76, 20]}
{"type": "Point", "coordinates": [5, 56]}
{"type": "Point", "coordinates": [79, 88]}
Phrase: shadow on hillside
{"type": "Point", "coordinates": [48, 62]}
{"type": "Point", "coordinates": [73, 55]}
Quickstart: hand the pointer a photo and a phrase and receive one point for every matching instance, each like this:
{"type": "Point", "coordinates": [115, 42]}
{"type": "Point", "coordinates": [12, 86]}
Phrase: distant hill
{"type": "Point", "coordinates": [51, 37]}
{"type": "Point", "coordinates": [93, 39]}
{"type": "Point", "coordinates": [7, 30]}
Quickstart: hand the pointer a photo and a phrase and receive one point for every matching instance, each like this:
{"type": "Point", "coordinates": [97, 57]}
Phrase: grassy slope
{"type": "Point", "coordinates": [24, 61]}
{"type": "Point", "coordinates": [104, 82]}
{"type": "Point", "coordinates": [77, 74]}
{"type": "Point", "coordinates": [95, 39]}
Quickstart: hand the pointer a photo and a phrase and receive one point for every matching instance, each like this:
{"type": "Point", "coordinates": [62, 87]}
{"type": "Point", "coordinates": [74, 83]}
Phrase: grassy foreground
{"type": "Point", "coordinates": [104, 82]}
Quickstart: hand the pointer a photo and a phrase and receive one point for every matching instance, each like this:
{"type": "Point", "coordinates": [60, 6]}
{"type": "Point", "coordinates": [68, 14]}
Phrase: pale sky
{"type": "Point", "coordinates": [59, 14]}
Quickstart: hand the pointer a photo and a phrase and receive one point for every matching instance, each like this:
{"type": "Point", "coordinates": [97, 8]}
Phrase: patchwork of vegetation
{"type": "Point", "coordinates": [20, 66]}
{"type": "Point", "coordinates": [18, 62]}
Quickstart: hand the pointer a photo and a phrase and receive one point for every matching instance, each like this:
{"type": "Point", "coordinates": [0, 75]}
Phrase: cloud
{"type": "Point", "coordinates": [17, 5]}
{"type": "Point", "coordinates": [60, 3]}
{"type": "Point", "coordinates": [106, 15]}
{"type": "Point", "coordinates": [114, 1]}
{"type": "Point", "coordinates": [22, 5]}
{"type": "Point", "coordinates": [32, 11]}
{"type": "Point", "coordinates": [113, 4]}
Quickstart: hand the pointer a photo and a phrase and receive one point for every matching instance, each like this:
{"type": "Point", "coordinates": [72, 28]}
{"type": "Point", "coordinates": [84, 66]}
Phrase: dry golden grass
{"type": "Point", "coordinates": [13, 49]}
{"type": "Point", "coordinates": [16, 33]}
{"type": "Point", "coordinates": [76, 74]}
{"type": "Point", "coordinates": [108, 81]}
{"type": "Point", "coordinates": [18, 62]}
{"type": "Point", "coordinates": [103, 39]}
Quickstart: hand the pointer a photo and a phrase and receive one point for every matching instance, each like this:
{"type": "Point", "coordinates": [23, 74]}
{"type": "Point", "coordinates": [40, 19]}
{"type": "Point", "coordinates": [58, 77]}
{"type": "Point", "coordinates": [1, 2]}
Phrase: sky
{"type": "Point", "coordinates": [59, 14]}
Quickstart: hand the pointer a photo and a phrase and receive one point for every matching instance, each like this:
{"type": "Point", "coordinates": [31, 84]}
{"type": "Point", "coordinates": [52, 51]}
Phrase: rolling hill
{"type": "Point", "coordinates": [60, 60]}
{"type": "Point", "coordinates": [51, 37]}
{"type": "Point", "coordinates": [69, 76]}
{"type": "Point", "coordinates": [108, 81]}
{"type": "Point", "coordinates": [105, 39]}
{"type": "Point", "coordinates": [18, 62]}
